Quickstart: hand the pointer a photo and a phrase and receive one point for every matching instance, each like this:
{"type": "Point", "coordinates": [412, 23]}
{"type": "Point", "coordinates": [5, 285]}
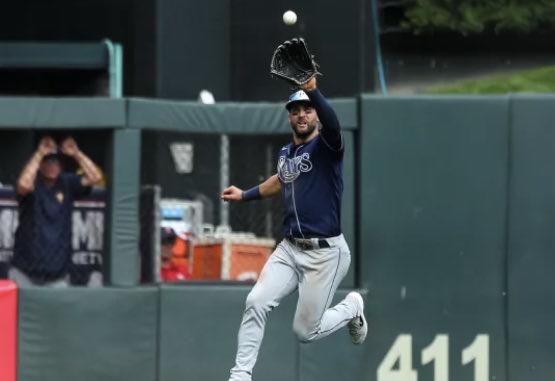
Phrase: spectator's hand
{"type": "Point", "coordinates": [69, 147]}
{"type": "Point", "coordinates": [232, 193]}
{"type": "Point", "coordinates": [47, 145]}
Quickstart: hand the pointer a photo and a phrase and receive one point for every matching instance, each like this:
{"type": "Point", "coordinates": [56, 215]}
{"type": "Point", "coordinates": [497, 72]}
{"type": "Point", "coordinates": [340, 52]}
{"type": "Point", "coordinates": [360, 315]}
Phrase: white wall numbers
{"type": "Point", "coordinates": [397, 363]}
{"type": "Point", "coordinates": [478, 352]}
{"type": "Point", "coordinates": [401, 353]}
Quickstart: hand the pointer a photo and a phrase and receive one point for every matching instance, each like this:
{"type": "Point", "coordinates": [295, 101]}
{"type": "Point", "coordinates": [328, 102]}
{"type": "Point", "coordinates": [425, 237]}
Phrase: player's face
{"type": "Point", "coordinates": [50, 169]}
{"type": "Point", "coordinates": [303, 119]}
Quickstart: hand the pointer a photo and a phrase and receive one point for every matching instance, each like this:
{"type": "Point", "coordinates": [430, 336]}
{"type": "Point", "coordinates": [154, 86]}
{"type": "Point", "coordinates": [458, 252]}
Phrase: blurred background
{"type": "Point", "coordinates": [449, 204]}
{"type": "Point", "coordinates": [174, 49]}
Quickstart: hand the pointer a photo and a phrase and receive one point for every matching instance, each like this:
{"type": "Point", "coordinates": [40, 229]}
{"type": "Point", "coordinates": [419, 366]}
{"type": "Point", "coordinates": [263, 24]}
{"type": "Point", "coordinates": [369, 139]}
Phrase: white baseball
{"type": "Point", "coordinates": [289, 18]}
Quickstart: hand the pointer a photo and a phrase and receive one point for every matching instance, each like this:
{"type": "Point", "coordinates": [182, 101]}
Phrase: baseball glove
{"type": "Point", "coordinates": [293, 63]}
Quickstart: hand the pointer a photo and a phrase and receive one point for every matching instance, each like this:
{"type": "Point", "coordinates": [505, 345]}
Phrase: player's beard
{"type": "Point", "coordinates": [306, 133]}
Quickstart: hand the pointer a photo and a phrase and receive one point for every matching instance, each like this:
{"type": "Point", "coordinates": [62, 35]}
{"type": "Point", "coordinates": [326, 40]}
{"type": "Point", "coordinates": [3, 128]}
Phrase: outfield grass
{"type": "Point", "coordinates": [540, 80]}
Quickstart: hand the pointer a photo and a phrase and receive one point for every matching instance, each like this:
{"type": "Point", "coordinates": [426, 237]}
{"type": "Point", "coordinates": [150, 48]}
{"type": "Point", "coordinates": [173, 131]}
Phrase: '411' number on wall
{"type": "Point", "coordinates": [397, 363]}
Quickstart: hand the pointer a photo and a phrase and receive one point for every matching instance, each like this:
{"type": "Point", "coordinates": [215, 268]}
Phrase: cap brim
{"type": "Point", "coordinates": [52, 156]}
{"type": "Point", "coordinates": [288, 105]}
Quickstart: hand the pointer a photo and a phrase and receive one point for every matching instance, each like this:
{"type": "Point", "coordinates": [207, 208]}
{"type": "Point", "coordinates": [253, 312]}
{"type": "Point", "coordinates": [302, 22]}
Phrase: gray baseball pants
{"type": "Point", "coordinates": [316, 274]}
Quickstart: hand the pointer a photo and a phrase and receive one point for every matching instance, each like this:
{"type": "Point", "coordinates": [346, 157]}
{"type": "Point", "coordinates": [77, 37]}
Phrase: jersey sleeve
{"type": "Point", "coordinates": [331, 130]}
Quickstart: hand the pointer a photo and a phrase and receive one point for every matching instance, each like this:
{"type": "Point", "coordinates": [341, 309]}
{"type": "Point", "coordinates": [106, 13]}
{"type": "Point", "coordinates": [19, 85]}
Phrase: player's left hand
{"type": "Point", "coordinates": [69, 147]}
{"type": "Point", "coordinates": [293, 63]}
{"type": "Point", "coordinates": [232, 193]}
{"type": "Point", "coordinates": [310, 85]}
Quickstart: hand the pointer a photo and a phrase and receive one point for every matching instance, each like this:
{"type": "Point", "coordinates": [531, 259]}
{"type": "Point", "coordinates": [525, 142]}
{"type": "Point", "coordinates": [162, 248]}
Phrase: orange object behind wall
{"type": "Point", "coordinates": [247, 261]}
{"type": "Point", "coordinates": [206, 261]}
{"type": "Point", "coordinates": [8, 328]}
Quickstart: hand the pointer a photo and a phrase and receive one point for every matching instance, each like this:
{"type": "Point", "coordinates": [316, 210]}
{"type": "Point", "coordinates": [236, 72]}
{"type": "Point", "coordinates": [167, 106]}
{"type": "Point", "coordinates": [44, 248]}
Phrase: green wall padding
{"type": "Point", "coordinates": [531, 304]}
{"type": "Point", "coordinates": [35, 112]}
{"type": "Point", "coordinates": [123, 220]}
{"type": "Point", "coordinates": [455, 211]}
{"type": "Point", "coordinates": [87, 334]}
{"type": "Point", "coordinates": [433, 183]}
{"type": "Point", "coordinates": [348, 206]}
{"type": "Point", "coordinates": [230, 118]}
{"type": "Point", "coordinates": [198, 335]}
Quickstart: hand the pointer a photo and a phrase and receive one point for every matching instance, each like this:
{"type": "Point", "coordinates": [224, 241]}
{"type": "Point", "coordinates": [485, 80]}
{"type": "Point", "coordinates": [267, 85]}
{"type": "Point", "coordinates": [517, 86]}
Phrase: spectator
{"type": "Point", "coordinates": [174, 260]}
{"type": "Point", "coordinates": [45, 194]}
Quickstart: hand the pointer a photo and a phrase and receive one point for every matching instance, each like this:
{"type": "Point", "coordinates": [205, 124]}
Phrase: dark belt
{"type": "Point", "coordinates": [308, 243]}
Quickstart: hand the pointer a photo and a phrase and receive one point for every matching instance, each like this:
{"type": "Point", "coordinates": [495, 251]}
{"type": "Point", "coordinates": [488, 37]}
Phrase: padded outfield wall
{"type": "Point", "coordinates": [457, 216]}
{"type": "Point", "coordinates": [452, 228]}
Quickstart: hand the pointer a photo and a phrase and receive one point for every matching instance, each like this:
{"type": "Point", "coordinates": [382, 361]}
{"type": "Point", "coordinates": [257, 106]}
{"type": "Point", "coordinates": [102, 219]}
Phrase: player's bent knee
{"type": "Point", "coordinates": [304, 334]}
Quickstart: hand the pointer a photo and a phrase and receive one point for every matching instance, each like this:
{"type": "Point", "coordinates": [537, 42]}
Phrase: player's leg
{"type": "Point", "coordinates": [277, 280]}
{"type": "Point", "coordinates": [322, 272]}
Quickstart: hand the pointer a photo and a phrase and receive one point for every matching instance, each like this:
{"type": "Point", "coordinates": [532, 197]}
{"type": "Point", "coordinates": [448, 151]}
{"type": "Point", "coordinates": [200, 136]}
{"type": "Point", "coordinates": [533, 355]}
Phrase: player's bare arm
{"type": "Point", "coordinates": [92, 174]}
{"type": "Point", "coordinates": [26, 180]}
{"type": "Point", "coordinates": [268, 188]}
{"type": "Point", "coordinates": [271, 187]}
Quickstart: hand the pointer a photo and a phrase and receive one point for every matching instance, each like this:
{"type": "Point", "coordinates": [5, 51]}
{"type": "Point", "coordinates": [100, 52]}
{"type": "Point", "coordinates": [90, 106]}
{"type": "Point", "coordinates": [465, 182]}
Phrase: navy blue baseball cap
{"type": "Point", "coordinates": [297, 97]}
{"type": "Point", "coordinates": [53, 155]}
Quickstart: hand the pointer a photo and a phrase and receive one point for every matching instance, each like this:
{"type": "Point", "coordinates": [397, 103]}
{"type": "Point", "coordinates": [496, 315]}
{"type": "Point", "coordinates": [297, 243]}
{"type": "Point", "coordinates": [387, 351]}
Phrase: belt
{"type": "Point", "coordinates": [309, 243]}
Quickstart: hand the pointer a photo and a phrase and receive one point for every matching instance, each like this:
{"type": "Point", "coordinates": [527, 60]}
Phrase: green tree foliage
{"type": "Point", "coordinates": [540, 80]}
{"type": "Point", "coordinates": [475, 16]}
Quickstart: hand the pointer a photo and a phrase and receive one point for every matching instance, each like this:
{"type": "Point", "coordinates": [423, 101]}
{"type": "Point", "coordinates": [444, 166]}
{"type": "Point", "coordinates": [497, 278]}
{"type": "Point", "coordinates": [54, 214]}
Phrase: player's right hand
{"type": "Point", "coordinates": [47, 145]}
{"type": "Point", "coordinates": [232, 193]}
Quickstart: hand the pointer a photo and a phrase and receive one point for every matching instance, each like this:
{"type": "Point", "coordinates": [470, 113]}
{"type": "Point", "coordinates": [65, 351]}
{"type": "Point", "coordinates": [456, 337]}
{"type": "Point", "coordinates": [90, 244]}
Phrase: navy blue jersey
{"type": "Point", "coordinates": [311, 177]}
{"type": "Point", "coordinates": [42, 246]}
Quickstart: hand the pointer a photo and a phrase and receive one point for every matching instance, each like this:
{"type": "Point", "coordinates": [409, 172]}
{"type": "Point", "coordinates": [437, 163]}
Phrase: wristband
{"type": "Point", "coordinates": [251, 194]}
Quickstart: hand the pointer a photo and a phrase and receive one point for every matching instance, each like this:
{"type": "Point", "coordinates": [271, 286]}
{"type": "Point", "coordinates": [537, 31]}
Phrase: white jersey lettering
{"type": "Point", "coordinates": [289, 169]}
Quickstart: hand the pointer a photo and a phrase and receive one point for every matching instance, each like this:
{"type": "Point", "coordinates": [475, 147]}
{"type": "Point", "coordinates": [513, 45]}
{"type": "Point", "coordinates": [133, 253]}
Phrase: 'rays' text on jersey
{"type": "Point", "coordinates": [289, 169]}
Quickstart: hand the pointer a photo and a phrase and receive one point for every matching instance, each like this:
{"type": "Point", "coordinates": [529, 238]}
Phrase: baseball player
{"type": "Point", "coordinates": [313, 257]}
